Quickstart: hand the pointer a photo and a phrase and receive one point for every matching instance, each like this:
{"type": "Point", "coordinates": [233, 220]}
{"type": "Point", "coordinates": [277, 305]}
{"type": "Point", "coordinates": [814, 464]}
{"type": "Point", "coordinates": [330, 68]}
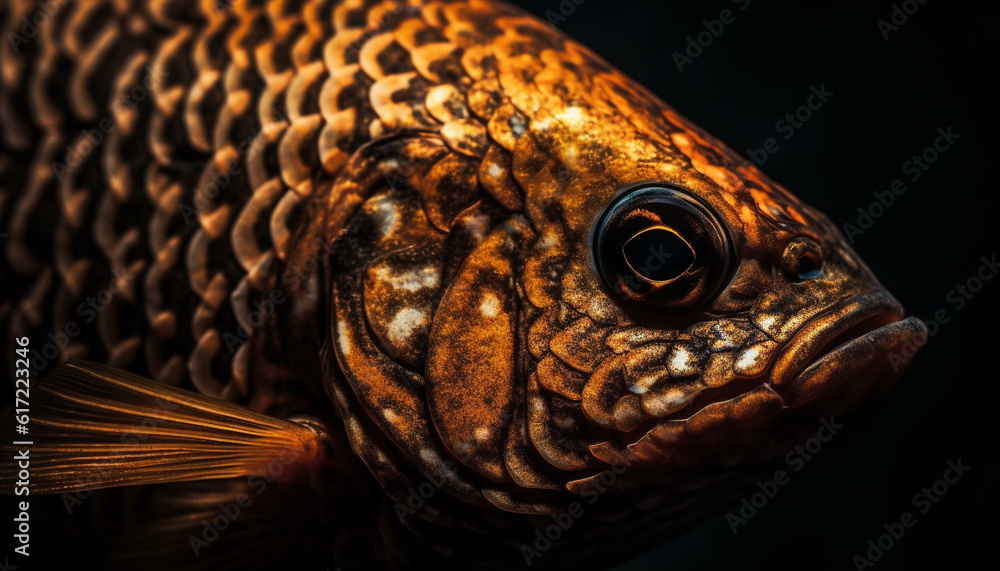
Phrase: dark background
{"type": "Point", "coordinates": [939, 69]}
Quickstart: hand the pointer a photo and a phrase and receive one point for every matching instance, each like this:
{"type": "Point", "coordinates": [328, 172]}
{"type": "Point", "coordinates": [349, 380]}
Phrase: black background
{"type": "Point", "coordinates": [939, 69]}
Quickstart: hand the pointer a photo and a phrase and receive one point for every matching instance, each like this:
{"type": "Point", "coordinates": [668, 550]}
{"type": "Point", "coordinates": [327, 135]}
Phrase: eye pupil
{"type": "Point", "coordinates": [658, 255]}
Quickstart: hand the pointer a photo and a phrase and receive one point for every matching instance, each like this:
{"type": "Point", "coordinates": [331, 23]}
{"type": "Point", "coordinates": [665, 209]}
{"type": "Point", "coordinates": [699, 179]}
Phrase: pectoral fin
{"type": "Point", "coordinates": [93, 426]}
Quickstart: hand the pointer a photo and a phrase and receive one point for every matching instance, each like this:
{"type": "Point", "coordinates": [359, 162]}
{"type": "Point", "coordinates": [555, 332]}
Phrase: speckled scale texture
{"type": "Point", "coordinates": [173, 146]}
{"type": "Point", "coordinates": [361, 201]}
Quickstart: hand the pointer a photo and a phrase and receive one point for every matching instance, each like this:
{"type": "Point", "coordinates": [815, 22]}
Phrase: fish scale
{"type": "Point", "coordinates": [381, 214]}
{"type": "Point", "coordinates": [239, 83]}
{"type": "Point", "coordinates": [194, 255]}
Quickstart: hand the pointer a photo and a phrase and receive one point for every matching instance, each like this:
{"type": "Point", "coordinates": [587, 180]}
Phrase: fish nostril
{"type": "Point", "coordinates": [803, 259]}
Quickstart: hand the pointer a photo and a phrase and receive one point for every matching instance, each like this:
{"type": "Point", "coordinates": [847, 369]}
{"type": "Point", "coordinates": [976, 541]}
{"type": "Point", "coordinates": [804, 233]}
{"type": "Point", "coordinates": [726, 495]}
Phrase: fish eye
{"type": "Point", "coordinates": [661, 247]}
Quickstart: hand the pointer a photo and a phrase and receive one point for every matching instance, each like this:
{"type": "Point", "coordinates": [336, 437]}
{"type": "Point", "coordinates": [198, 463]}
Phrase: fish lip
{"type": "Point", "coordinates": [867, 355]}
{"type": "Point", "coordinates": [827, 332]}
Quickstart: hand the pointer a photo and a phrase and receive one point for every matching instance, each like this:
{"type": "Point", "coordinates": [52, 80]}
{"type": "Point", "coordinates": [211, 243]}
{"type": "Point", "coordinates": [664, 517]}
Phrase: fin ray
{"type": "Point", "coordinates": [94, 426]}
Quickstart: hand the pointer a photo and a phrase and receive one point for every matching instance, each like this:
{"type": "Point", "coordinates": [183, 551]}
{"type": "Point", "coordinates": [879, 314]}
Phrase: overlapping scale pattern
{"type": "Point", "coordinates": [187, 155]}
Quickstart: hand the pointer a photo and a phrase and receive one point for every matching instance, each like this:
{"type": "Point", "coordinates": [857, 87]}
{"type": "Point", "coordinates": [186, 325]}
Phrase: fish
{"type": "Point", "coordinates": [395, 284]}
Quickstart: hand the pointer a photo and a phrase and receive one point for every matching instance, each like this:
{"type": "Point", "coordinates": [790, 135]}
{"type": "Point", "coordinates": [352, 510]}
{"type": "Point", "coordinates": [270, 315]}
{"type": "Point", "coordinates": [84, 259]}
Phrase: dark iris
{"type": "Point", "coordinates": [658, 254]}
{"type": "Point", "coordinates": [662, 248]}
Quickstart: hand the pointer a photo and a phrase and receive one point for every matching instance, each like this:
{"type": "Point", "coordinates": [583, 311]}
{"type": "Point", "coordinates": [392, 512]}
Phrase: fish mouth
{"type": "Point", "coordinates": [857, 347]}
{"type": "Point", "coordinates": [834, 364]}
{"type": "Point", "coordinates": [849, 344]}
{"type": "Point", "coordinates": [837, 362]}
{"type": "Point", "coordinates": [827, 332]}
{"type": "Point", "coordinates": [847, 348]}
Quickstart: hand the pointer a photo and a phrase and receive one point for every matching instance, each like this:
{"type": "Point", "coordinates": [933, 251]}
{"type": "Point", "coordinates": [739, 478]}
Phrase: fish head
{"type": "Point", "coordinates": [700, 306]}
{"type": "Point", "coordinates": [586, 280]}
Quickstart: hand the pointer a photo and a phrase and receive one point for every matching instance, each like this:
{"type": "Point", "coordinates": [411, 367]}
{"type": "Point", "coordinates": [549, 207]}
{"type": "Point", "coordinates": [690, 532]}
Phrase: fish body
{"type": "Point", "coordinates": [504, 281]}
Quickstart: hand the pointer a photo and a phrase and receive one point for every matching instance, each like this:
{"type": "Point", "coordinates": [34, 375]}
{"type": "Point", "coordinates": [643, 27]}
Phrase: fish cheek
{"type": "Point", "coordinates": [471, 364]}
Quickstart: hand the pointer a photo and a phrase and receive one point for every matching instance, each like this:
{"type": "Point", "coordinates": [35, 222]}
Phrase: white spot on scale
{"type": "Point", "coordinates": [517, 126]}
{"type": "Point", "coordinates": [748, 359]}
{"type": "Point", "coordinates": [342, 340]}
{"type": "Point", "coordinates": [767, 322]}
{"type": "Point", "coordinates": [643, 385]}
{"type": "Point", "coordinates": [664, 403]}
{"type": "Point", "coordinates": [494, 171]}
{"type": "Point", "coordinates": [429, 455]}
{"type": "Point", "coordinates": [482, 434]}
{"type": "Point", "coordinates": [389, 414]}
{"type": "Point", "coordinates": [386, 216]}
{"type": "Point", "coordinates": [432, 459]}
{"type": "Point", "coordinates": [564, 422]}
{"type": "Point", "coordinates": [411, 281]}
{"type": "Point", "coordinates": [571, 154]}
{"type": "Point", "coordinates": [571, 117]}
{"type": "Point", "coordinates": [353, 426]}
{"type": "Point", "coordinates": [402, 326]}
{"type": "Point", "coordinates": [490, 307]}
{"type": "Point", "coordinates": [542, 125]}
{"type": "Point", "coordinates": [477, 225]}
{"type": "Point", "coordinates": [598, 306]}
{"type": "Point", "coordinates": [548, 241]}
{"type": "Point", "coordinates": [681, 362]}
